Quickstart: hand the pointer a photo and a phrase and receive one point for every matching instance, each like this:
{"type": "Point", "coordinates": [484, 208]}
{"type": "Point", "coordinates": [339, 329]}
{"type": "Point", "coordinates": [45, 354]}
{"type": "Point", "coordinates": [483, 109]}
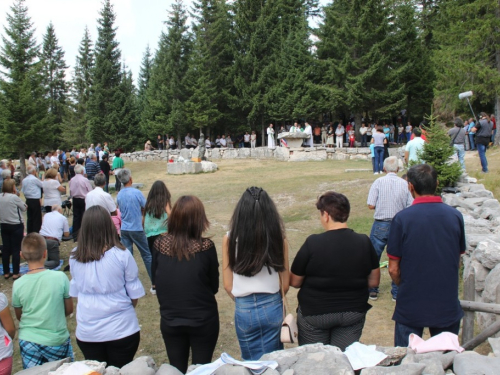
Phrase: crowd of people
{"type": "Point", "coordinates": [336, 271]}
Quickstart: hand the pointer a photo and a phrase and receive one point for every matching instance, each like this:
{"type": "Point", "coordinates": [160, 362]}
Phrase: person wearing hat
{"type": "Point", "coordinates": [147, 146]}
{"type": "Point", "coordinates": [457, 135]}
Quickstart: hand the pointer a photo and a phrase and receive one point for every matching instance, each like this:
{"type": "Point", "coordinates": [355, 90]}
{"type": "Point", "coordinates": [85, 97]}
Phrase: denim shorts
{"type": "Point", "coordinates": [258, 319]}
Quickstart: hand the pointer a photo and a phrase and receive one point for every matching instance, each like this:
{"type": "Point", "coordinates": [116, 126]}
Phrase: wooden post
{"type": "Point", "coordinates": [491, 308]}
{"type": "Point", "coordinates": [483, 336]}
{"type": "Point", "coordinates": [468, 321]}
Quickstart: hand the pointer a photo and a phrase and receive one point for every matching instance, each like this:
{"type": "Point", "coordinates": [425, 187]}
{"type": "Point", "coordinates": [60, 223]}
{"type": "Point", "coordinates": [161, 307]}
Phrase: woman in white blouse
{"type": "Point", "coordinates": [105, 279]}
{"type": "Point", "coordinates": [52, 189]}
{"type": "Point", "coordinates": [270, 137]}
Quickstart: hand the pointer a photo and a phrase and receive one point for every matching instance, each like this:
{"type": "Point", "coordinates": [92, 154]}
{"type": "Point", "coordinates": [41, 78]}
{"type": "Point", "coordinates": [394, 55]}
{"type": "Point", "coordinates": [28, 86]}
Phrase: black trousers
{"type": "Point", "coordinates": [78, 211]}
{"type": "Point", "coordinates": [116, 353]}
{"type": "Point", "coordinates": [12, 236]}
{"type": "Point", "coordinates": [34, 213]}
{"type": "Point", "coordinates": [201, 340]}
{"type": "Point", "coordinates": [118, 184]}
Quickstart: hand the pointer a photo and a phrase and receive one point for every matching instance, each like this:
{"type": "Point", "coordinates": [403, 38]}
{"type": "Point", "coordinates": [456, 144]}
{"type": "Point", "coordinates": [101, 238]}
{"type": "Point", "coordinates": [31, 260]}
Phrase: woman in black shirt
{"type": "Point", "coordinates": [186, 272]}
{"type": "Point", "coordinates": [105, 168]}
{"type": "Point", "coordinates": [334, 270]}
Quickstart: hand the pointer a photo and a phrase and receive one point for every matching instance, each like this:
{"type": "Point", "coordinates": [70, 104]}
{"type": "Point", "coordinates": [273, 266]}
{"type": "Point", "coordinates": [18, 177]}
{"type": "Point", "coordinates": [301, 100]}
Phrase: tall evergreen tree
{"type": "Point", "coordinates": [164, 111]}
{"type": "Point", "coordinates": [143, 84]}
{"type": "Point", "coordinates": [54, 74]}
{"type": "Point", "coordinates": [354, 51]}
{"type": "Point", "coordinates": [209, 74]}
{"type": "Point", "coordinates": [23, 106]}
{"type": "Point", "coordinates": [76, 126]}
{"type": "Point", "coordinates": [469, 53]}
{"type": "Point", "coordinates": [103, 105]}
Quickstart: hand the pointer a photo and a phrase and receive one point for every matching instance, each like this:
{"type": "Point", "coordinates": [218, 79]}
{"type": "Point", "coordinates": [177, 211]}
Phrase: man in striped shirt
{"type": "Point", "coordinates": [388, 195]}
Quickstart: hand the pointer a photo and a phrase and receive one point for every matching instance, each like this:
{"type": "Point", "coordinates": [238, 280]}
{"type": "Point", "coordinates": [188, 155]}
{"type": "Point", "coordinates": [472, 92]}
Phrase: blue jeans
{"type": "Point", "coordinates": [379, 159]}
{"type": "Point", "coordinates": [129, 238]}
{"type": "Point", "coordinates": [379, 236]}
{"type": "Point", "coordinates": [461, 154]}
{"type": "Point", "coordinates": [481, 149]}
{"type": "Point", "coordinates": [471, 142]}
{"type": "Point", "coordinates": [402, 332]}
{"type": "Point", "coordinates": [363, 140]}
{"type": "Point", "coordinates": [493, 136]}
{"type": "Point", "coordinates": [408, 137]}
{"type": "Point", "coordinates": [258, 319]}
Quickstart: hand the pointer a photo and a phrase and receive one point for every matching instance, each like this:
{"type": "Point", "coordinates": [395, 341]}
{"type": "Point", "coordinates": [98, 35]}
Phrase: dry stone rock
{"type": "Point", "coordinates": [495, 345]}
{"type": "Point", "coordinates": [232, 370]}
{"type": "Point", "coordinates": [471, 363]}
{"type": "Point", "coordinates": [308, 155]}
{"type": "Point", "coordinates": [394, 355]}
{"type": "Point", "coordinates": [270, 371]}
{"type": "Point", "coordinates": [167, 369]}
{"type": "Point", "coordinates": [99, 367]}
{"type": "Point", "coordinates": [230, 153]}
{"type": "Point", "coordinates": [282, 153]}
{"type": "Point", "coordinates": [409, 369]}
{"type": "Point", "coordinates": [477, 194]}
{"type": "Point", "coordinates": [45, 368]}
{"type": "Point", "coordinates": [140, 366]}
{"type": "Point", "coordinates": [475, 201]}
{"type": "Point", "coordinates": [208, 166]}
{"type": "Point", "coordinates": [288, 372]}
{"type": "Point", "coordinates": [112, 370]}
{"type": "Point", "coordinates": [475, 187]}
{"type": "Point", "coordinates": [488, 253]}
{"type": "Point", "coordinates": [186, 153]}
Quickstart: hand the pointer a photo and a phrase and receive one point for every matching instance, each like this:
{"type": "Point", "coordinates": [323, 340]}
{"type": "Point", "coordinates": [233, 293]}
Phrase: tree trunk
{"type": "Point", "coordinates": [264, 135]}
{"type": "Point", "coordinates": [22, 163]}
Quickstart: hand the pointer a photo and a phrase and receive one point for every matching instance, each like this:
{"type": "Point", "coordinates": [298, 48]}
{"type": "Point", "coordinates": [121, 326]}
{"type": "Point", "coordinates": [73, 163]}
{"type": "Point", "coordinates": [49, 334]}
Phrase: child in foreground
{"type": "Point", "coordinates": [41, 301]}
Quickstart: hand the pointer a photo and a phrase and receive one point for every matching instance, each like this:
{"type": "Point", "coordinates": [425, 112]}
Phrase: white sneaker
{"type": "Point", "coordinates": [376, 173]}
{"type": "Point", "coordinates": [153, 291]}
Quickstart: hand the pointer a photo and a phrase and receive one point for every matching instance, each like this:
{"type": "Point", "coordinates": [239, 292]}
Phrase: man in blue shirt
{"type": "Point", "coordinates": [424, 248]}
{"type": "Point", "coordinates": [131, 203]}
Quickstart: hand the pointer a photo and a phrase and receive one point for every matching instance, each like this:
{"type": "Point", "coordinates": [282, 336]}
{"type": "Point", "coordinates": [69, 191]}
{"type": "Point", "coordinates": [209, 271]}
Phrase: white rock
{"type": "Point", "coordinates": [112, 370]}
{"type": "Point", "coordinates": [142, 365]}
{"type": "Point", "coordinates": [470, 363]}
{"type": "Point", "coordinates": [488, 253]}
{"type": "Point", "coordinates": [167, 369]}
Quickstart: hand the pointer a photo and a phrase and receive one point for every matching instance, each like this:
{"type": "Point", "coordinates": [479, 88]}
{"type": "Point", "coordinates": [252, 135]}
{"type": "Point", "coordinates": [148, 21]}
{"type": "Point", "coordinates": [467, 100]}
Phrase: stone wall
{"type": "Point", "coordinates": [481, 212]}
{"type": "Point", "coordinates": [279, 153]}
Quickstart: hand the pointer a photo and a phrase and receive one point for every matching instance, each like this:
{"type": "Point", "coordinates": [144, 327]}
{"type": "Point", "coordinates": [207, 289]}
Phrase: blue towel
{"type": "Point", "coordinates": [24, 268]}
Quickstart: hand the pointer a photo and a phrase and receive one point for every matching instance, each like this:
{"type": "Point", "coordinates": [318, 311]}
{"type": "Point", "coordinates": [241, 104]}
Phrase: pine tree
{"type": "Point", "coordinates": [437, 152]}
{"type": "Point", "coordinates": [355, 61]}
{"type": "Point", "coordinates": [54, 72]}
{"type": "Point", "coordinates": [23, 106]}
{"type": "Point", "coordinates": [144, 75]}
{"type": "Point", "coordinates": [209, 74]}
{"type": "Point", "coordinates": [164, 111]}
{"type": "Point", "coordinates": [103, 106]}
{"type": "Point", "coordinates": [75, 127]}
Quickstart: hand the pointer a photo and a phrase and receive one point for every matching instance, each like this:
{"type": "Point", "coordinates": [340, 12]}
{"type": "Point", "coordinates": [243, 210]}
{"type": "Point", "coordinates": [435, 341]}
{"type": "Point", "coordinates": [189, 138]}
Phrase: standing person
{"type": "Point", "coordinates": [187, 272]}
{"type": "Point", "coordinates": [7, 333]}
{"type": "Point", "coordinates": [362, 130]}
{"type": "Point", "coordinates": [223, 141]}
{"type": "Point", "coordinates": [309, 142]}
{"type": "Point", "coordinates": [324, 133]}
{"type": "Point", "coordinates": [159, 142]}
{"type": "Point", "coordinates": [401, 133]}
{"type": "Point", "coordinates": [12, 228]}
{"type": "Point", "coordinates": [246, 140]}
{"type": "Point", "coordinates": [339, 135]}
{"type": "Point", "coordinates": [52, 189]}
{"type": "Point", "coordinates": [41, 301]}
{"type": "Point", "coordinates": [253, 139]}
{"type": "Point", "coordinates": [457, 135]}
{"type": "Point", "coordinates": [372, 152]}
{"type": "Point", "coordinates": [116, 166]}
{"type": "Point", "coordinates": [105, 169]}
{"type": "Point", "coordinates": [32, 159]}
{"type": "Point", "coordinates": [270, 136]}
{"type": "Point", "coordinates": [348, 128]}
{"type": "Point", "coordinates": [369, 132]}
{"type": "Point", "coordinates": [352, 138]}
{"type": "Point", "coordinates": [255, 268]}
{"type": "Point", "coordinates": [426, 267]}
{"type": "Point", "coordinates": [32, 190]}
{"type": "Point", "coordinates": [79, 187]}
{"type": "Point", "coordinates": [388, 195]}
{"type": "Point", "coordinates": [329, 137]}
{"type": "Point", "coordinates": [55, 226]}
{"type": "Point", "coordinates": [71, 168]}
{"type": "Point", "coordinates": [414, 147]}
{"type": "Point", "coordinates": [171, 143]}
{"type": "Point", "coordinates": [483, 131]}
{"type": "Point", "coordinates": [98, 197]}
{"type": "Point", "coordinates": [408, 131]}
{"type": "Point", "coordinates": [378, 141]}
{"type": "Point", "coordinates": [104, 273]}
{"type": "Point", "coordinates": [155, 218]}
{"type": "Point", "coordinates": [92, 167]}
{"type": "Point", "coordinates": [131, 203]}
{"type": "Point", "coordinates": [317, 134]}
{"type": "Point", "coordinates": [332, 270]}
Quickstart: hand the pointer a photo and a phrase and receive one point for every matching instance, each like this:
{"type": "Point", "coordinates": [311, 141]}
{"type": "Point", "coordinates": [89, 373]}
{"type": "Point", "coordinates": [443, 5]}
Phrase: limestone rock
{"type": "Point", "coordinates": [432, 362]}
{"type": "Point", "coordinates": [230, 153]}
{"type": "Point", "coordinates": [471, 363]}
{"type": "Point", "coordinates": [208, 166]}
{"type": "Point", "coordinates": [184, 168]}
{"type": "Point", "coordinates": [308, 155]}
{"type": "Point", "coordinates": [475, 201]}
{"type": "Point", "coordinates": [409, 369]}
{"type": "Point", "coordinates": [288, 372]}
{"type": "Point", "coordinates": [475, 187]}
{"type": "Point", "coordinates": [215, 153]}
{"type": "Point", "coordinates": [186, 153]}
{"type": "Point", "coordinates": [495, 345]}
{"type": "Point", "coordinates": [282, 153]}
{"type": "Point", "coordinates": [99, 367]}
{"type": "Point", "coordinates": [488, 253]}
{"type": "Point", "coordinates": [45, 368]}
{"type": "Point", "coordinates": [167, 369]}
{"type": "Point", "coordinates": [270, 371]}
{"type": "Point", "coordinates": [480, 273]}
{"type": "Point", "coordinates": [232, 370]}
{"type": "Point", "coordinates": [142, 365]}
{"type": "Point", "coordinates": [477, 194]}
{"type": "Point", "coordinates": [491, 203]}
{"type": "Point", "coordinates": [112, 370]}
{"type": "Point", "coordinates": [394, 355]}
{"type": "Point", "coordinates": [244, 152]}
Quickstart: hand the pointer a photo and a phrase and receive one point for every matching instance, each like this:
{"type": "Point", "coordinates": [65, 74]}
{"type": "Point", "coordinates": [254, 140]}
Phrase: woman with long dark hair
{"type": "Point", "coordinates": [105, 279]}
{"type": "Point", "coordinates": [187, 278]}
{"type": "Point", "coordinates": [255, 267]}
{"type": "Point", "coordinates": [155, 217]}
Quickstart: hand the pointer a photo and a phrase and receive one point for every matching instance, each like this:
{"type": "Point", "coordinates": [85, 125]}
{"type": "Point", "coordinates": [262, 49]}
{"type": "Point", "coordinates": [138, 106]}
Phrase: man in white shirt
{"type": "Point", "coordinates": [98, 197]}
{"type": "Point", "coordinates": [414, 147]}
{"type": "Point", "coordinates": [54, 160]}
{"type": "Point", "coordinates": [339, 133]}
{"type": "Point", "coordinates": [223, 141]}
{"type": "Point", "coordinates": [54, 227]}
{"type": "Point", "coordinates": [308, 130]}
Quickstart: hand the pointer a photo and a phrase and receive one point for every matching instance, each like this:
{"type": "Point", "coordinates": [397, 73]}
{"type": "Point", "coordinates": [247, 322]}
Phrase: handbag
{"type": "Point", "coordinates": [289, 329]}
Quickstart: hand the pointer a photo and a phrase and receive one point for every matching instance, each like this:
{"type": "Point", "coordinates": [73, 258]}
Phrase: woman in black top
{"type": "Point", "coordinates": [105, 168]}
{"type": "Point", "coordinates": [186, 272]}
{"type": "Point", "coordinates": [334, 270]}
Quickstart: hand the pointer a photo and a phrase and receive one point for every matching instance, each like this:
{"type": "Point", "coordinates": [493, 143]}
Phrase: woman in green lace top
{"type": "Point", "coordinates": [155, 218]}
